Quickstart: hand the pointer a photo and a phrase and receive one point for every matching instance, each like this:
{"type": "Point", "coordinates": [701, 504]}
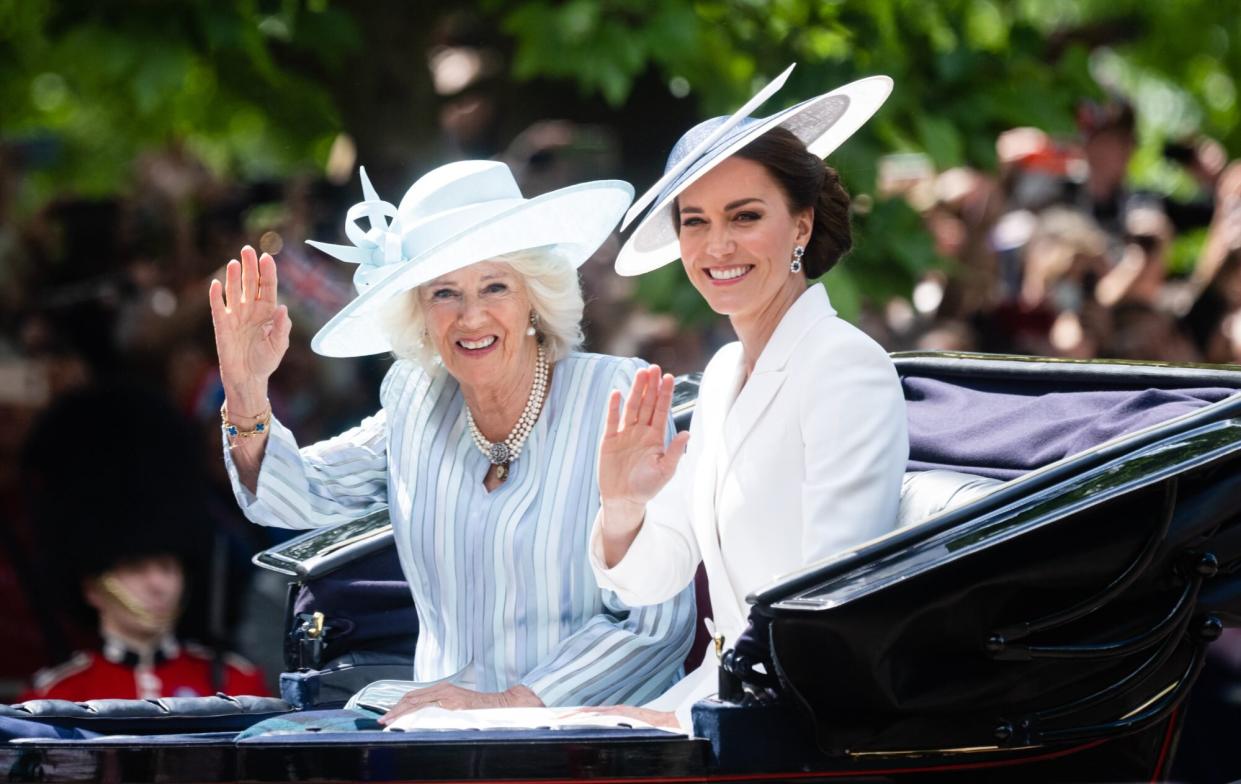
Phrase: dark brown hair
{"type": "Point", "coordinates": [807, 182]}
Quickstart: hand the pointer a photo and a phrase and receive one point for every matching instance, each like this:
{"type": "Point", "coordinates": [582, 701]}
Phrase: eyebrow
{"type": "Point", "coordinates": [732, 205]}
{"type": "Point", "coordinates": [453, 281]}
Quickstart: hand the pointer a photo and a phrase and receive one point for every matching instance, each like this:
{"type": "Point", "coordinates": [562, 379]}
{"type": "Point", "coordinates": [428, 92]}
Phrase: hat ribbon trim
{"type": "Point", "coordinates": [374, 248]}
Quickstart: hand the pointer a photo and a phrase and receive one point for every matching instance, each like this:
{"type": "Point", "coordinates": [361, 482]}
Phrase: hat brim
{"type": "Point", "coordinates": [822, 124]}
{"type": "Point", "coordinates": [644, 201]}
{"type": "Point", "coordinates": [571, 222]}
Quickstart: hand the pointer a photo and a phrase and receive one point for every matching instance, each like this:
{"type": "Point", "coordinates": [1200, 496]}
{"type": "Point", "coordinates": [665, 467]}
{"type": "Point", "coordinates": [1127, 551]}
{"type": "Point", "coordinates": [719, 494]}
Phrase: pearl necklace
{"type": "Point", "coordinates": [502, 453]}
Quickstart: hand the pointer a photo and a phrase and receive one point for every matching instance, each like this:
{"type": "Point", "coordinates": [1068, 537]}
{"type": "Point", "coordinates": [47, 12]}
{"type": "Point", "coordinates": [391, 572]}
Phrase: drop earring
{"type": "Point", "coordinates": [795, 265]}
{"type": "Point", "coordinates": [532, 330]}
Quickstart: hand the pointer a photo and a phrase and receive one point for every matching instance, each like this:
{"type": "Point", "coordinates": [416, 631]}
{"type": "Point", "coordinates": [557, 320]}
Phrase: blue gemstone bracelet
{"type": "Point", "coordinates": [233, 432]}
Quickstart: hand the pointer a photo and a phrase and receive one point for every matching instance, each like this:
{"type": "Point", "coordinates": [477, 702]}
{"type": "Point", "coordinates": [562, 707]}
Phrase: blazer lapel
{"type": "Point", "coordinates": [714, 400]}
{"type": "Point", "coordinates": [754, 399]}
{"type": "Point", "coordinates": [712, 407]}
{"type": "Point", "coordinates": [770, 370]}
{"type": "Point", "coordinates": [724, 427]}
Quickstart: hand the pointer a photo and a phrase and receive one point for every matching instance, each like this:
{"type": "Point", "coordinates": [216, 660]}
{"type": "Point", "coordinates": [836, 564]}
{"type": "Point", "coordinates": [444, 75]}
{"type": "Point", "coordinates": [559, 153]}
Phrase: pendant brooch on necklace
{"type": "Point", "coordinates": [501, 454]}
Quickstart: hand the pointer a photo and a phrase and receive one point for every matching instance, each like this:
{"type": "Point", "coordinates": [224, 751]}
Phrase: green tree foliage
{"type": "Point", "coordinates": [965, 70]}
{"type": "Point", "coordinates": [107, 80]}
{"type": "Point", "coordinates": [260, 87]}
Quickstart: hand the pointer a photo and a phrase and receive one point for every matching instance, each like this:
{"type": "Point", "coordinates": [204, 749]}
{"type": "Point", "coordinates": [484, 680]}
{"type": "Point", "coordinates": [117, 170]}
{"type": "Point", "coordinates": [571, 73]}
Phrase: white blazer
{"type": "Point", "coordinates": [804, 463]}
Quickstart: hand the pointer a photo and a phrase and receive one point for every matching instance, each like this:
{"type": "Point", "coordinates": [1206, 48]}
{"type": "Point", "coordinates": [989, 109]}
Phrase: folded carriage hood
{"type": "Point", "coordinates": [1072, 602]}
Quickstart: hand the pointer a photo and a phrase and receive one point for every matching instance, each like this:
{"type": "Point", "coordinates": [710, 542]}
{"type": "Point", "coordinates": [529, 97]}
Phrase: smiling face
{"type": "Point", "coordinates": [476, 318]}
{"type": "Point", "coordinates": [737, 236]}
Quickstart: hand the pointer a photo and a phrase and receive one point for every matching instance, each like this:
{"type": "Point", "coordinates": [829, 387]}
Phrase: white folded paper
{"type": "Point", "coordinates": [433, 718]}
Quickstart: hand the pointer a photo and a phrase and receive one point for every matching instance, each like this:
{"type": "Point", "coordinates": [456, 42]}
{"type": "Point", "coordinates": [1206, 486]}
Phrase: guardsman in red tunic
{"type": "Point", "coordinates": [138, 601]}
{"type": "Point", "coordinates": [121, 515]}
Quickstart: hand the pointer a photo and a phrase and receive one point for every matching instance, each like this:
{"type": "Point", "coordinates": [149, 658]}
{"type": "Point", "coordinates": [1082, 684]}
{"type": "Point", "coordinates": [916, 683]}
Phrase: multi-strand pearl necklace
{"type": "Point", "coordinates": [502, 453]}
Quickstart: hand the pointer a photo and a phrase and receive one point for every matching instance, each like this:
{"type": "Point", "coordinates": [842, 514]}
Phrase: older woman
{"type": "Point", "coordinates": [798, 441]}
{"type": "Point", "coordinates": [484, 448]}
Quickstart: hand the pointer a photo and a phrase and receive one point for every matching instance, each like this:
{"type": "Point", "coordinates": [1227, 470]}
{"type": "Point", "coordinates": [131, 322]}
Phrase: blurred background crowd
{"type": "Point", "coordinates": [1051, 178]}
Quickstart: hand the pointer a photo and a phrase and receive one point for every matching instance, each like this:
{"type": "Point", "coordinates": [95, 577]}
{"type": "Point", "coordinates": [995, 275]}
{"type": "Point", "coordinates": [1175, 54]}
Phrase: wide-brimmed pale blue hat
{"type": "Point", "coordinates": [452, 217]}
{"type": "Point", "coordinates": [822, 123]}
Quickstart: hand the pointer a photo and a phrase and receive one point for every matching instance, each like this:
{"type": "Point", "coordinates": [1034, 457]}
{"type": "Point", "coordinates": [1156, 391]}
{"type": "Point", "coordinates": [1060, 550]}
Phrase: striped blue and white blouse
{"type": "Point", "coordinates": [501, 580]}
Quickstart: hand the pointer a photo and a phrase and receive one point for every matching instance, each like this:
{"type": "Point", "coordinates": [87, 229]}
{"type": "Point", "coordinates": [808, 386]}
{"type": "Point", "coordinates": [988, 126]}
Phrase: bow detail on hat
{"type": "Point", "coordinates": [376, 250]}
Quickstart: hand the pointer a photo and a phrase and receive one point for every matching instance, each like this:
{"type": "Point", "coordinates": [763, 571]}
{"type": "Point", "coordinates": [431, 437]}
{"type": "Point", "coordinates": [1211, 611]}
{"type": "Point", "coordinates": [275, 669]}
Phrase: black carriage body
{"type": "Point", "coordinates": [1068, 608]}
{"type": "Point", "coordinates": [1048, 626]}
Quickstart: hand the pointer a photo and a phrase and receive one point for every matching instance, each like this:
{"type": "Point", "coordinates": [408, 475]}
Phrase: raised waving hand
{"type": "Point", "coordinates": [634, 462]}
{"type": "Point", "coordinates": [251, 330]}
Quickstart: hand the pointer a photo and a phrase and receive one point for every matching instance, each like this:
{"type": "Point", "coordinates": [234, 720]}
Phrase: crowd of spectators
{"type": "Point", "coordinates": [1055, 255]}
{"type": "Point", "coordinates": [1052, 255]}
{"type": "Point", "coordinates": [106, 291]}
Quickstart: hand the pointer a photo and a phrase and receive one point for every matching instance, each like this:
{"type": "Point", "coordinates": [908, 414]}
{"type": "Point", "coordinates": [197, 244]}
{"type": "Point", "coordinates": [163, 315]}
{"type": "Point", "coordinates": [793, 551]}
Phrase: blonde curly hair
{"type": "Point", "coordinates": [551, 283]}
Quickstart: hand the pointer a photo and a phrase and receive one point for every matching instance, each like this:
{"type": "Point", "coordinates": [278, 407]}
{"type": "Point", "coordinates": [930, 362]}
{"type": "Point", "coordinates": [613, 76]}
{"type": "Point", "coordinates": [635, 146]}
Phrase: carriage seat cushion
{"type": "Point", "coordinates": [157, 716]}
{"type": "Point", "coordinates": [17, 729]}
{"type": "Point", "coordinates": [925, 494]}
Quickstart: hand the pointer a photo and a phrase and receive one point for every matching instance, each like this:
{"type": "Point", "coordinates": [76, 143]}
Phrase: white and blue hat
{"type": "Point", "coordinates": [822, 123]}
{"type": "Point", "coordinates": [452, 217]}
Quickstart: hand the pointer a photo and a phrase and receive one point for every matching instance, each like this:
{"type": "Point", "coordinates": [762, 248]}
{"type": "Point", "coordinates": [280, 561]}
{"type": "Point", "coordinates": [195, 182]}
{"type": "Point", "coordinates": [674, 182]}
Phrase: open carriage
{"type": "Point", "coordinates": [1068, 552]}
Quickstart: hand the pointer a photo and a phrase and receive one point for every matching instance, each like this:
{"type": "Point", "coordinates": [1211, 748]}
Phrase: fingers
{"type": "Point", "coordinates": [612, 424]}
{"type": "Point", "coordinates": [663, 400]}
{"type": "Point", "coordinates": [249, 274]}
{"type": "Point", "coordinates": [653, 717]}
{"type": "Point", "coordinates": [634, 402]}
{"type": "Point", "coordinates": [649, 401]}
{"type": "Point", "coordinates": [249, 280]}
{"type": "Point", "coordinates": [232, 285]}
{"type": "Point", "coordinates": [412, 701]}
{"type": "Point", "coordinates": [647, 406]}
{"type": "Point", "coordinates": [267, 279]}
{"type": "Point", "coordinates": [676, 450]}
{"type": "Point", "coordinates": [282, 325]}
{"type": "Point", "coordinates": [215, 296]}
{"type": "Point", "coordinates": [398, 710]}
{"type": "Point", "coordinates": [393, 712]}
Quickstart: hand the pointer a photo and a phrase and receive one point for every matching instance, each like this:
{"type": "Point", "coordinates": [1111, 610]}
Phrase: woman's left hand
{"type": "Point", "coordinates": [634, 462]}
{"type": "Point", "coordinates": [663, 719]}
{"type": "Point", "coordinates": [444, 695]}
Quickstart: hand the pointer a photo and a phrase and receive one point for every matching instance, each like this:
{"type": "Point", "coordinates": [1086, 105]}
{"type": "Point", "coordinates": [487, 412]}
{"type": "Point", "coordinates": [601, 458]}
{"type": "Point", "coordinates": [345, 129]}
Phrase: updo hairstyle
{"type": "Point", "coordinates": [807, 182]}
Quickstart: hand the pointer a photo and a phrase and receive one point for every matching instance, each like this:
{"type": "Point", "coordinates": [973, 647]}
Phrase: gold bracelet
{"type": "Point", "coordinates": [233, 432]}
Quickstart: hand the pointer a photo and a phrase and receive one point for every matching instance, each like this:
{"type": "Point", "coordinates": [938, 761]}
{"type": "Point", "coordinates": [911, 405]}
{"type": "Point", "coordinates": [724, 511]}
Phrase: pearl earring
{"type": "Point", "coordinates": [795, 266]}
{"type": "Point", "coordinates": [534, 323]}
